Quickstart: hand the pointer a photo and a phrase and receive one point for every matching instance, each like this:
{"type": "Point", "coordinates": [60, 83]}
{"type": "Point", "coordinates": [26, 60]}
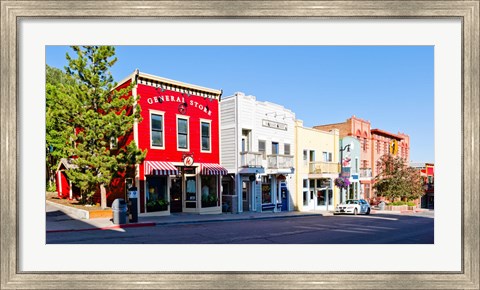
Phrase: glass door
{"type": "Point", "coordinates": [246, 185]}
{"type": "Point", "coordinates": [190, 191]}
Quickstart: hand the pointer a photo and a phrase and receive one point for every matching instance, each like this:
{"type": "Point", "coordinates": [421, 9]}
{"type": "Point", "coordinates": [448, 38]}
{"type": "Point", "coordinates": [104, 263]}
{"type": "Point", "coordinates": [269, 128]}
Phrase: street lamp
{"type": "Point", "coordinates": [346, 148]}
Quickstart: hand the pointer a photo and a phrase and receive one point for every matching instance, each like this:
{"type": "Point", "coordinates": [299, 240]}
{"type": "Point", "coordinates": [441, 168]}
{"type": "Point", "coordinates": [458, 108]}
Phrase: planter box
{"type": "Point", "coordinates": [396, 207]}
{"type": "Point", "coordinates": [106, 213]}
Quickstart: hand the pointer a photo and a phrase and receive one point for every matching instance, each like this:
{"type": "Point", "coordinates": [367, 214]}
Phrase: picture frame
{"type": "Point", "coordinates": [12, 12]}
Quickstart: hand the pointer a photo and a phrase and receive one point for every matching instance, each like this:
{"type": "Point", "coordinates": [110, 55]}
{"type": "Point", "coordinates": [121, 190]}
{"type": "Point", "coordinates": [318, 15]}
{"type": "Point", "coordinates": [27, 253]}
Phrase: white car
{"type": "Point", "coordinates": [353, 206]}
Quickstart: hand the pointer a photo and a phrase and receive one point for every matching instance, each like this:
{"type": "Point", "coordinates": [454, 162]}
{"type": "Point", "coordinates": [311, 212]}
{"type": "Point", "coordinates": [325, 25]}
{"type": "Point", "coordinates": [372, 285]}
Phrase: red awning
{"type": "Point", "coordinates": [160, 168]}
{"type": "Point", "coordinates": [212, 169]}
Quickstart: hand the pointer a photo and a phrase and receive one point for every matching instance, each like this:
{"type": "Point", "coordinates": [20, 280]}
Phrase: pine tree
{"type": "Point", "coordinates": [397, 180]}
{"type": "Point", "coordinates": [101, 116]}
{"type": "Point", "coordinates": [59, 128]}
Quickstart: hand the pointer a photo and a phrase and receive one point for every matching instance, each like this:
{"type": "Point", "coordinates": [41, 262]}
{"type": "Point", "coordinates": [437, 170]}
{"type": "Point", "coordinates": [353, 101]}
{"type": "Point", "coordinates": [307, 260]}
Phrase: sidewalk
{"type": "Point", "coordinates": [58, 220]}
{"type": "Point", "coordinates": [61, 220]}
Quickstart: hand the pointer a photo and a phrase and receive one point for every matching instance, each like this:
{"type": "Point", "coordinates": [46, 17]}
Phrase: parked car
{"type": "Point", "coordinates": [353, 206]}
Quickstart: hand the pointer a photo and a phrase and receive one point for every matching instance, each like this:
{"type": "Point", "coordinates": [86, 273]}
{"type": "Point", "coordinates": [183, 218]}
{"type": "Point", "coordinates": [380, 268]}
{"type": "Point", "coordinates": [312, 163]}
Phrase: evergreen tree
{"type": "Point", "coordinates": [101, 116]}
{"type": "Point", "coordinates": [397, 180]}
{"type": "Point", "coordinates": [59, 128]}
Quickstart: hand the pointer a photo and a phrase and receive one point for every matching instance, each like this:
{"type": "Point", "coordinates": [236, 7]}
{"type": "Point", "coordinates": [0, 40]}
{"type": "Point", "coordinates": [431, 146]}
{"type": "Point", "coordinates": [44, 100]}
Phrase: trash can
{"type": "Point", "coordinates": [133, 204]}
{"type": "Point", "coordinates": [119, 210]}
{"type": "Point", "coordinates": [381, 205]}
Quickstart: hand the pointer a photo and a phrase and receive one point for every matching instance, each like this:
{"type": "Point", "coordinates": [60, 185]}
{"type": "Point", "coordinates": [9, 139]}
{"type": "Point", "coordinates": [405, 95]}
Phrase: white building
{"type": "Point", "coordinates": [257, 141]}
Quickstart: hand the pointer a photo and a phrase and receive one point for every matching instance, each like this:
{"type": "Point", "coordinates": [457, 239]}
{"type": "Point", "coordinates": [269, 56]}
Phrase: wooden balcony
{"type": "Point", "coordinates": [320, 167]}
{"type": "Point", "coordinates": [280, 161]}
{"type": "Point", "coordinates": [250, 159]}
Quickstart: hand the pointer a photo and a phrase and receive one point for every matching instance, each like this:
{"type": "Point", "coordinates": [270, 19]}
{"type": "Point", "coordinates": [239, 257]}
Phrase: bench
{"type": "Point", "coordinates": [270, 206]}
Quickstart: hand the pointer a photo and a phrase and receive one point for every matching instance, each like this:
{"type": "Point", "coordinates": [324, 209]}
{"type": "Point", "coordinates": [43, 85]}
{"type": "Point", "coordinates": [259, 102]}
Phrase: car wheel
{"type": "Point", "coordinates": [355, 212]}
{"type": "Point", "coordinates": [368, 211]}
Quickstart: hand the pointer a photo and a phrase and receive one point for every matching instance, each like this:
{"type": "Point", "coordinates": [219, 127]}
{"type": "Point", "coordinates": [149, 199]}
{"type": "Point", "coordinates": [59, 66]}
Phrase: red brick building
{"type": "Point", "coordinates": [374, 143]}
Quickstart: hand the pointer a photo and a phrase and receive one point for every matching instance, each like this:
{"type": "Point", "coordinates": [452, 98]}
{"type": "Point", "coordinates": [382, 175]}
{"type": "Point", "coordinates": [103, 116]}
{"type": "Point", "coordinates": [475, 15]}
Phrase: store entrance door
{"type": "Point", "coordinates": [176, 195]}
{"type": "Point", "coordinates": [284, 196]}
{"type": "Point", "coordinates": [246, 195]}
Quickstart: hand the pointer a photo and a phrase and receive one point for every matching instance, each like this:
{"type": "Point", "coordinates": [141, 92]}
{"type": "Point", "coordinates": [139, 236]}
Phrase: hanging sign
{"type": "Point", "coordinates": [188, 160]}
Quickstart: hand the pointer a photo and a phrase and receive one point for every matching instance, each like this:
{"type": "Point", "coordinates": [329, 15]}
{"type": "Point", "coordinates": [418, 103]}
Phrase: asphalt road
{"type": "Point", "coordinates": [361, 229]}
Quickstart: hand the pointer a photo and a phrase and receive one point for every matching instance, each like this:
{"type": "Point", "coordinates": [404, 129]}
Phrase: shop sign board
{"type": "Point", "coordinates": [274, 125]}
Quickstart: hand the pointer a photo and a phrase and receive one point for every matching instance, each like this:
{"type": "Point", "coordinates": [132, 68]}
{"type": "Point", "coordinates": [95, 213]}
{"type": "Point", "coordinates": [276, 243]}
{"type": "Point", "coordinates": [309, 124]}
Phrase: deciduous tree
{"type": "Point", "coordinates": [397, 180]}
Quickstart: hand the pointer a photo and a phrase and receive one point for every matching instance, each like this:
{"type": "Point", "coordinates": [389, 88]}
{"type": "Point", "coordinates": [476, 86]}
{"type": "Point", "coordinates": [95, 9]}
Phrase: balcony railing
{"type": "Point", "coordinates": [365, 172]}
{"type": "Point", "coordinates": [319, 167]}
{"type": "Point", "coordinates": [280, 161]}
{"type": "Point", "coordinates": [250, 159]}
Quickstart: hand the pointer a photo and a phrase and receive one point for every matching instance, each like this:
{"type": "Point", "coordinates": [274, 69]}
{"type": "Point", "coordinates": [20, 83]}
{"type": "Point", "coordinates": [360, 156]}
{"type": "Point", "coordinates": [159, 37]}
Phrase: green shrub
{"type": "Point", "coordinates": [411, 203]}
{"type": "Point", "coordinates": [398, 203]}
{"type": "Point", "coordinates": [52, 187]}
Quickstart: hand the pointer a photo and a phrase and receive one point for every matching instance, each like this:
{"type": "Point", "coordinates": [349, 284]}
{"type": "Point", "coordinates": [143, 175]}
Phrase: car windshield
{"type": "Point", "coordinates": [352, 202]}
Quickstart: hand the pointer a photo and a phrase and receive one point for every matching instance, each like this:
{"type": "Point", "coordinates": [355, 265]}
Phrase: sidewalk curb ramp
{"type": "Point", "coordinates": [74, 212]}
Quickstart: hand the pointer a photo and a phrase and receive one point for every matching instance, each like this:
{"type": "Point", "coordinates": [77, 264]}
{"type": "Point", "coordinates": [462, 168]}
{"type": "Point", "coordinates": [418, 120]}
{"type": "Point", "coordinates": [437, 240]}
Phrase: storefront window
{"type": "Point", "coordinates": [266, 194]}
{"type": "Point", "coordinates": [321, 197]}
{"type": "Point", "coordinates": [209, 190]}
{"type": "Point", "coordinates": [330, 196]}
{"type": "Point", "coordinates": [305, 198]}
{"type": "Point", "coordinates": [157, 199]}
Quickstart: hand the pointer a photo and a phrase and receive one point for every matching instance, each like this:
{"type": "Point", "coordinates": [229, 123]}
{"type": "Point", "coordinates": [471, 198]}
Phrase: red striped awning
{"type": "Point", "coordinates": [212, 169]}
{"type": "Point", "coordinates": [160, 168]}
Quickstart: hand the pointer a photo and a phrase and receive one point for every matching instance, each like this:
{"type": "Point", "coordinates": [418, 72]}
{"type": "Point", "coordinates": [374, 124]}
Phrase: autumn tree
{"type": "Point", "coordinates": [397, 180]}
{"type": "Point", "coordinates": [101, 115]}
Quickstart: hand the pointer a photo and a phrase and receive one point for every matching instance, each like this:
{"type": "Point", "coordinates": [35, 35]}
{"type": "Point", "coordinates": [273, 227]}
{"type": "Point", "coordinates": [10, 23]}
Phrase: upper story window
{"type": "Point", "coordinates": [327, 157]}
{"type": "Point", "coordinates": [365, 144]}
{"type": "Point", "coordinates": [312, 155]}
{"type": "Point", "coordinates": [262, 148]}
{"type": "Point", "coordinates": [275, 148]}
{"type": "Point", "coordinates": [286, 149]}
{"type": "Point", "coordinates": [246, 140]}
{"type": "Point", "coordinates": [182, 133]}
{"type": "Point", "coordinates": [205, 128]}
{"type": "Point", "coordinates": [113, 143]}
{"type": "Point", "coordinates": [156, 130]}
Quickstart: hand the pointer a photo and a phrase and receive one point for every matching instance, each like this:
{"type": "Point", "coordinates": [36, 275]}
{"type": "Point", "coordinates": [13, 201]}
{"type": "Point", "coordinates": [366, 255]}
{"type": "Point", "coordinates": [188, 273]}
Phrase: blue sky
{"type": "Point", "coordinates": [391, 86]}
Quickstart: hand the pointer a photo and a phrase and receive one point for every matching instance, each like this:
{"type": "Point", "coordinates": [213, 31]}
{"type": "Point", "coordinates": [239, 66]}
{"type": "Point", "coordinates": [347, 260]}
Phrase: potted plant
{"type": "Point", "coordinates": [157, 205]}
{"type": "Point", "coordinates": [342, 182]}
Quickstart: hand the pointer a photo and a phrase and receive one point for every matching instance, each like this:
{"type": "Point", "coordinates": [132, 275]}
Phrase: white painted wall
{"type": "Point", "coordinates": [249, 114]}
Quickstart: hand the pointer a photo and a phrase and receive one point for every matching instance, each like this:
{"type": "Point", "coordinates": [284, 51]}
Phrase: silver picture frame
{"type": "Point", "coordinates": [13, 11]}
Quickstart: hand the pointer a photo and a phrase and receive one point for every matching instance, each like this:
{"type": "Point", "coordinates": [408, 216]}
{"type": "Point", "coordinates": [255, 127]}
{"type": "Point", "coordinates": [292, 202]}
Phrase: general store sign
{"type": "Point", "coordinates": [181, 100]}
{"type": "Point", "coordinates": [274, 125]}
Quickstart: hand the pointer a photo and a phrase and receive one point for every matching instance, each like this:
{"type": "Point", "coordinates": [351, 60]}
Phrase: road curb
{"type": "Point", "coordinates": [135, 225]}
{"type": "Point", "coordinates": [237, 219]}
